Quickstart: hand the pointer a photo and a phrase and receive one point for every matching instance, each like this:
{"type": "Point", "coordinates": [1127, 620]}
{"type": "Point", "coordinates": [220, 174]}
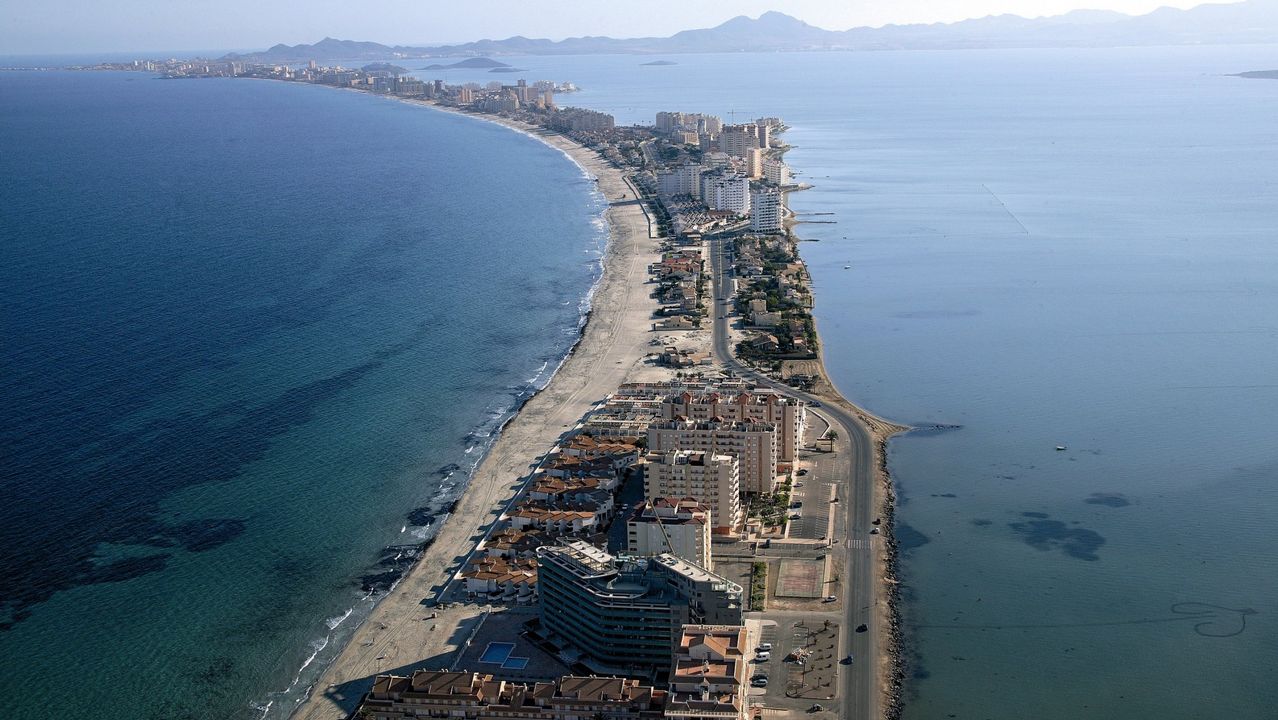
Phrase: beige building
{"type": "Point", "coordinates": [679, 527]}
{"type": "Point", "coordinates": [708, 673]}
{"type": "Point", "coordinates": [737, 140]}
{"type": "Point", "coordinates": [439, 693]}
{"type": "Point", "coordinates": [710, 479]}
{"type": "Point", "coordinates": [754, 444]}
{"type": "Point", "coordinates": [758, 406]}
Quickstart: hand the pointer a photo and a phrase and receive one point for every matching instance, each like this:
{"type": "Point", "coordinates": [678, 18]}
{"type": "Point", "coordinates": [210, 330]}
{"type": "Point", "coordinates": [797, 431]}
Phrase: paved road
{"type": "Point", "coordinates": [858, 686]}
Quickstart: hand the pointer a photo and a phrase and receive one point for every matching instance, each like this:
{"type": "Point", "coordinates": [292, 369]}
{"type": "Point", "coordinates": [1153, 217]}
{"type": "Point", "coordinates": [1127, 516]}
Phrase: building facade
{"type": "Point", "coordinates": [622, 614]}
{"type": "Point", "coordinates": [766, 210]}
{"type": "Point", "coordinates": [754, 444]}
{"type": "Point", "coordinates": [766, 406]}
{"type": "Point", "coordinates": [680, 527]}
{"type": "Point", "coordinates": [712, 480]}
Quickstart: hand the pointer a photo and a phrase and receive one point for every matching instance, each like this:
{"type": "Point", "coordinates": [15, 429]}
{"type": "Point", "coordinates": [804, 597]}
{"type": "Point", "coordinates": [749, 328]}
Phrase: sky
{"type": "Point", "coordinates": [88, 26]}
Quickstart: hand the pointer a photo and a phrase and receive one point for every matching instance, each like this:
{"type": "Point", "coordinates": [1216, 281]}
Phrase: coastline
{"type": "Point", "coordinates": [396, 637]}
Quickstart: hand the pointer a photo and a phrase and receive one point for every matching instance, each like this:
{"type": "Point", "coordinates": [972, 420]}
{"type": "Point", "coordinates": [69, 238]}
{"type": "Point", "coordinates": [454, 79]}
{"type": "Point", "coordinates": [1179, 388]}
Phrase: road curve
{"type": "Point", "coordinates": [859, 690]}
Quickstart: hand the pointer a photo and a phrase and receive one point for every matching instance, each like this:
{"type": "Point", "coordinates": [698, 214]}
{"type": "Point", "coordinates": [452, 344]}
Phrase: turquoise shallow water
{"type": "Point", "coordinates": [249, 327]}
{"type": "Point", "coordinates": [1048, 247]}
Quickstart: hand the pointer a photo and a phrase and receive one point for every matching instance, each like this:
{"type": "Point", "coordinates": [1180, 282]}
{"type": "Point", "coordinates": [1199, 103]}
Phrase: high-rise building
{"type": "Point", "coordinates": [679, 527]}
{"type": "Point", "coordinates": [766, 213]}
{"type": "Point", "coordinates": [714, 481]}
{"type": "Point", "coordinates": [625, 614]}
{"type": "Point", "coordinates": [754, 444]}
{"type": "Point", "coordinates": [736, 140]}
{"type": "Point", "coordinates": [757, 405]}
{"type": "Point", "coordinates": [754, 163]}
{"type": "Point", "coordinates": [776, 172]}
{"type": "Point", "coordinates": [681, 180]}
{"type": "Point", "coordinates": [726, 191]}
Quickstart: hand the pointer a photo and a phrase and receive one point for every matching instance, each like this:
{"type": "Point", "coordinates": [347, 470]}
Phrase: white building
{"type": "Point", "coordinates": [681, 180]}
{"type": "Point", "coordinates": [766, 210]}
{"type": "Point", "coordinates": [712, 480]}
{"type": "Point", "coordinates": [726, 191]}
{"type": "Point", "coordinates": [679, 527]}
{"type": "Point", "coordinates": [776, 172]}
{"type": "Point", "coordinates": [754, 444]}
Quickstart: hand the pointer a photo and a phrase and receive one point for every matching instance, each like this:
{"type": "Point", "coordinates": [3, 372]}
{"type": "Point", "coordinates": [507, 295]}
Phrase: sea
{"type": "Point", "coordinates": [251, 327]}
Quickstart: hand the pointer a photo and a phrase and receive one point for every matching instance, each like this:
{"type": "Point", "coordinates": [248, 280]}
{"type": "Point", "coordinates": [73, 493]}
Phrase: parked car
{"type": "Point", "coordinates": [802, 472]}
{"type": "Point", "coordinates": [759, 682]}
{"type": "Point", "coordinates": [763, 647]}
{"type": "Point", "coordinates": [763, 656]}
{"type": "Point", "coordinates": [829, 598]}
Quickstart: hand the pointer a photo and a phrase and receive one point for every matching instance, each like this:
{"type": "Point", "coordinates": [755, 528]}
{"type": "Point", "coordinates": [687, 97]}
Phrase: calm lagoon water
{"type": "Point", "coordinates": [1047, 247]}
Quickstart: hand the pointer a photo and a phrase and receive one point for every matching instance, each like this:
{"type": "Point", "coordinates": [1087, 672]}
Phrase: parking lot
{"type": "Point", "coordinates": [810, 676]}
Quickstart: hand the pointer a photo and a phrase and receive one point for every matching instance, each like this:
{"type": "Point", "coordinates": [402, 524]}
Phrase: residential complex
{"type": "Point", "coordinates": [679, 527]}
{"type": "Point", "coordinates": [755, 405]}
{"type": "Point", "coordinates": [714, 481]}
{"type": "Point", "coordinates": [754, 444]}
{"type": "Point", "coordinates": [766, 210]}
{"type": "Point", "coordinates": [622, 615]}
{"type": "Point", "coordinates": [440, 693]}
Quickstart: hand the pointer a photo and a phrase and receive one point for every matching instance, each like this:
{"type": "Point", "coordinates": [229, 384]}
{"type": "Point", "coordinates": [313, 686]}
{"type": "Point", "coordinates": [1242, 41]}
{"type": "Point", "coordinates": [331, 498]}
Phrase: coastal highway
{"type": "Point", "coordinates": [860, 694]}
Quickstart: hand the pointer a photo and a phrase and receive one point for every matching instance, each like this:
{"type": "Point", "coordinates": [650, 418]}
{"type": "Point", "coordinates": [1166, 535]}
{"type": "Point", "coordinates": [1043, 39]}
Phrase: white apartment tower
{"type": "Point", "coordinates": [681, 180]}
{"type": "Point", "coordinates": [726, 192]}
{"type": "Point", "coordinates": [766, 210]}
{"type": "Point", "coordinates": [776, 172]}
{"type": "Point", "coordinates": [679, 527]}
{"type": "Point", "coordinates": [766, 406]}
{"type": "Point", "coordinates": [711, 480]}
{"type": "Point", "coordinates": [737, 140]}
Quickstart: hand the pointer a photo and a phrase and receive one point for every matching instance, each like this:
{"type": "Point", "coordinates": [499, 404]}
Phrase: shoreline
{"type": "Point", "coordinates": [339, 688]}
{"type": "Point", "coordinates": [613, 338]}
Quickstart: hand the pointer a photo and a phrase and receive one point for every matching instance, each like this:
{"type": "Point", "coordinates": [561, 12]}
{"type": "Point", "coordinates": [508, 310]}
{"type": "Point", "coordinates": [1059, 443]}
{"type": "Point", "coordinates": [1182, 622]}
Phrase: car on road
{"type": "Point", "coordinates": [847, 660]}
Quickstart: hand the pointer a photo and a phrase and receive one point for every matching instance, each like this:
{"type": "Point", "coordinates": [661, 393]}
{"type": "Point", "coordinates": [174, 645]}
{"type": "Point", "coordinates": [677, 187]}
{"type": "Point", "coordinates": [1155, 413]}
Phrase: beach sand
{"type": "Point", "coordinates": [399, 636]}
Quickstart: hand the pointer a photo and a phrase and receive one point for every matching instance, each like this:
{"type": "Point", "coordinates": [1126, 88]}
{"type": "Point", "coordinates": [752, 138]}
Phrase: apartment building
{"type": "Point", "coordinates": [680, 527]}
{"type": "Point", "coordinates": [712, 480]}
{"type": "Point", "coordinates": [754, 444]}
{"type": "Point", "coordinates": [623, 615]}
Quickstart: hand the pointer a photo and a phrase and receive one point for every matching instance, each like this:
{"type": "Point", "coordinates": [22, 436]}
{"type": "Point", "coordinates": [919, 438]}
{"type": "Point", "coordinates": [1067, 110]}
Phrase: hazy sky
{"type": "Point", "coordinates": [68, 26]}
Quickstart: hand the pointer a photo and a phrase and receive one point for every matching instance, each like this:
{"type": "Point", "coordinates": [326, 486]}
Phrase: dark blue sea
{"type": "Point", "coordinates": [248, 329]}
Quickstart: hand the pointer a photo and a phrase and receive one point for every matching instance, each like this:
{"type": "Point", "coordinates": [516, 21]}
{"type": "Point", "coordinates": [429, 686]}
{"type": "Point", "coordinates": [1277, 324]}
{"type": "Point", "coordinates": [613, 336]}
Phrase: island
{"type": "Point", "coordinates": [659, 62]}
{"type": "Point", "coordinates": [476, 63]}
{"type": "Point", "coordinates": [1258, 74]}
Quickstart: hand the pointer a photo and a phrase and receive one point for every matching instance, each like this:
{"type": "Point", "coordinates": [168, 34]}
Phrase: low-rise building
{"type": "Point", "coordinates": [440, 693]}
{"type": "Point", "coordinates": [680, 527]}
{"type": "Point", "coordinates": [708, 674]}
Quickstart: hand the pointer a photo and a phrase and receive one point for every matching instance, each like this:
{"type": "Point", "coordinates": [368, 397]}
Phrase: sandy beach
{"type": "Point", "coordinates": [399, 636]}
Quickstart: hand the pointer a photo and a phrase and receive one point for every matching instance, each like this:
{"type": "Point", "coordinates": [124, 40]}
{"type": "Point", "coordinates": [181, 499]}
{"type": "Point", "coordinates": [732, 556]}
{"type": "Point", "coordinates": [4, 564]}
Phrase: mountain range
{"type": "Point", "coordinates": [1253, 21]}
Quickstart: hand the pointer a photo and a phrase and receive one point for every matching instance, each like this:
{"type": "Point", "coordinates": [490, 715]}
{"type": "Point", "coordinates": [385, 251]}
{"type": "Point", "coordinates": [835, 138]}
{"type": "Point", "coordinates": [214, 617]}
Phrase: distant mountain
{"type": "Point", "coordinates": [1254, 21]}
{"type": "Point", "coordinates": [1259, 74]}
